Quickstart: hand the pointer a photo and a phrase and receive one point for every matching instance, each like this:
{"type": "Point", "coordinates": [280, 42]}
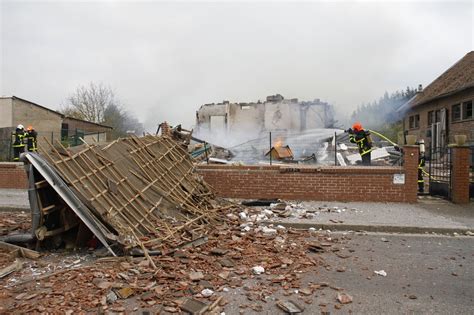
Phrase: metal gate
{"type": "Point", "coordinates": [439, 170]}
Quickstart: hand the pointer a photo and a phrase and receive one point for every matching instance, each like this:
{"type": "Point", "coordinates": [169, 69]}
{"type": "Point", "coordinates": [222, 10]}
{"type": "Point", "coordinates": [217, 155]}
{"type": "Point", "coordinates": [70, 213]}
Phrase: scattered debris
{"type": "Point", "coordinates": [344, 298]}
{"type": "Point", "coordinates": [125, 293]}
{"type": "Point", "coordinates": [194, 307]}
{"type": "Point", "coordinates": [196, 276]}
{"type": "Point", "coordinates": [317, 247]}
{"type": "Point", "coordinates": [381, 273]}
{"type": "Point", "coordinates": [290, 307]}
{"type": "Point", "coordinates": [258, 270]}
{"type": "Point", "coordinates": [15, 266]}
{"type": "Point", "coordinates": [207, 292]}
{"type": "Point", "coordinates": [21, 251]}
{"type": "Point", "coordinates": [111, 297]}
{"type": "Point", "coordinates": [282, 153]}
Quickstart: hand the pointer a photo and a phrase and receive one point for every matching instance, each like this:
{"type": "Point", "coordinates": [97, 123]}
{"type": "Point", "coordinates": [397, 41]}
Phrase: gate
{"type": "Point", "coordinates": [439, 169]}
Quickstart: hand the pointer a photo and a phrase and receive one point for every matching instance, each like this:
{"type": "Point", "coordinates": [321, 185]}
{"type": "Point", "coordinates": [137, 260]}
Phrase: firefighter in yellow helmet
{"type": "Point", "coordinates": [31, 140]}
{"type": "Point", "coordinates": [363, 140]}
{"type": "Point", "coordinates": [18, 142]}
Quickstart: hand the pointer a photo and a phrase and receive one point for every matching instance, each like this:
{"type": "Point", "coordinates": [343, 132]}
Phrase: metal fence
{"type": "Point", "coordinates": [439, 171]}
{"type": "Point", "coordinates": [67, 138]}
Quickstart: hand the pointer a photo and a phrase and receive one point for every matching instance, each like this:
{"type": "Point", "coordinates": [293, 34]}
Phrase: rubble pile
{"type": "Point", "coordinates": [134, 191]}
{"type": "Point", "coordinates": [283, 209]}
{"type": "Point", "coordinates": [11, 222]}
{"type": "Point", "coordinates": [263, 261]}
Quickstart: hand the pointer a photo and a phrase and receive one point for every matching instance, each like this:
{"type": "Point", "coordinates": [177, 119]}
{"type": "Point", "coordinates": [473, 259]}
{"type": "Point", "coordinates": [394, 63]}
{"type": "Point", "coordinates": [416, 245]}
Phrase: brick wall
{"type": "Point", "coordinates": [463, 127]}
{"type": "Point", "coordinates": [460, 175]}
{"type": "Point", "coordinates": [13, 175]}
{"type": "Point", "coordinates": [315, 183]}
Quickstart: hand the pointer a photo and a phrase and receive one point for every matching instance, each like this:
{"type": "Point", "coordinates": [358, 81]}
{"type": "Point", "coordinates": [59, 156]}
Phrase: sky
{"type": "Point", "coordinates": [165, 59]}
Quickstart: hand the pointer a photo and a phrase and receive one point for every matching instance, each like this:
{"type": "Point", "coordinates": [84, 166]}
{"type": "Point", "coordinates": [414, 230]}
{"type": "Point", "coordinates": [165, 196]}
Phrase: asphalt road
{"type": "Point", "coordinates": [425, 275]}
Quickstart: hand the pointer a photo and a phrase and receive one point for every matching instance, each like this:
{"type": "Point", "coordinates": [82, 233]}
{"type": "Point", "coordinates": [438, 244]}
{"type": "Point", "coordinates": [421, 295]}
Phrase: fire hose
{"type": "Point", "coordinates": [383, 137]}
{"type": "Point", "coordinates": [396, 145]}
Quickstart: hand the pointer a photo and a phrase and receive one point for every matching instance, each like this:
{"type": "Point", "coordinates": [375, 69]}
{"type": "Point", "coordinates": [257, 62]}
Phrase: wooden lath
{"type": "Point", "coordinates": [155, 190]}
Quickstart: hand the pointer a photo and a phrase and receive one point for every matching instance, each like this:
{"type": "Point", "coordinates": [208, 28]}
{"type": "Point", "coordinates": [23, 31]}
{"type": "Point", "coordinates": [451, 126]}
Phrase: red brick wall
{"type": "Point", "coordinates": [324, 183]}
{"type": "Point", "coordinates": [463, 127]}
{"type": "Point", "coordinates": [13, 175]}
{"type": "Point", "coordinates": [460, 175]}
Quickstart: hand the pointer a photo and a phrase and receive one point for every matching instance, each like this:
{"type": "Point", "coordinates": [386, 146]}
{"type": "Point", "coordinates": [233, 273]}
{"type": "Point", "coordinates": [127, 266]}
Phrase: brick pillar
{"type": "Point", "coordinates": [165, 129]}
{"type": "Point", "coordinates": [410, 156]}
{"type": "Point", "coordinates": [460, 174]}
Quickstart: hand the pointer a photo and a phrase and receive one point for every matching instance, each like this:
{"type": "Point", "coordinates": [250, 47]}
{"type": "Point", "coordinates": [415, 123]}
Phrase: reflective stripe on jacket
{"type": "Point", "coordinates": [363, 141]}
{"type": "Point", "coordinates": [18, 141]}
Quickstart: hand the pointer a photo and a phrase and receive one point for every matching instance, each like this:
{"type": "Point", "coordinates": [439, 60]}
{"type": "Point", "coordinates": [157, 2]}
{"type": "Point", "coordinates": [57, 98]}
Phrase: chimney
{"type": "Point", "coordinates": [420, 87]}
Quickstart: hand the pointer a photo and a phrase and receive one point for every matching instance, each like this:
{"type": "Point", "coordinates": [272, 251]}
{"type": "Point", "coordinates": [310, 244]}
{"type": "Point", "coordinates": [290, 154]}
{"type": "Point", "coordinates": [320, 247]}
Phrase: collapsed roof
{"type": "Point", "coordinates": [134, 191]}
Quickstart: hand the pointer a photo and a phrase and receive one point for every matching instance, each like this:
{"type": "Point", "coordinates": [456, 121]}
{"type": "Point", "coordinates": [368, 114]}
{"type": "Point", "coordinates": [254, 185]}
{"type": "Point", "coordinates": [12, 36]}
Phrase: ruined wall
{"type": "Point", "coordinates": [281, 116]}
{"type": "Point", "coordinates": [246, 117]}
{"type": "Point", "coordinates": [275, 114]}
{"type": "Point", "coordinates": [204, 114]}
{"type": "Point", "coordinates": [315, 183]}
{"type": "Point", "coordinates": [315, 116]}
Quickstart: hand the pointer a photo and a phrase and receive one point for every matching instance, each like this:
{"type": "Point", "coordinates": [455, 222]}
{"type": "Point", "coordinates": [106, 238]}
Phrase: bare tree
{"type": "Point", "coordinates": [97, 103]}
{"type": "Point", "coordinates": [90, 102]}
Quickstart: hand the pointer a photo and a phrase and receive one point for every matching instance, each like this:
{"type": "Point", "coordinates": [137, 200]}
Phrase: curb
{"type": "Point", "coordinates": [13, 208]}
{"type": "Point", "coordinates": [372, 228]}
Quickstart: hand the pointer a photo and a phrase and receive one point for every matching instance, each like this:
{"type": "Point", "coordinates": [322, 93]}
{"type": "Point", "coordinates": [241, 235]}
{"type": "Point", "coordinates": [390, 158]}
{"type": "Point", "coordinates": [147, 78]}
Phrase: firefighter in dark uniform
{"type": "Point", "coordinates": [18, 142]}
{"type": "Point", "coordinates": [363, 140]}
{"type": "Point", "coordinates": [31, 140]}
{"type": "Point", "coordinates": [421, 164]}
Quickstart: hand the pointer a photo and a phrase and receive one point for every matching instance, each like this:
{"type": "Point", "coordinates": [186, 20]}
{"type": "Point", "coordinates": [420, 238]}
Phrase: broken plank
{"type": "Point", "coordinates": [15, 266]}
{"type": "Point", "coordinates": [22, 251]}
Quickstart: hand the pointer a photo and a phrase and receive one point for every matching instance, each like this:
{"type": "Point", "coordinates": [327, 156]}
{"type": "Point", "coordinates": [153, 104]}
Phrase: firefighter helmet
{"type": "Point", "coordinates": [29, 128]}
{"type": "Point", "coordinates": [20, 127]}
{"type": "Point", "coordinates": [357, 126]}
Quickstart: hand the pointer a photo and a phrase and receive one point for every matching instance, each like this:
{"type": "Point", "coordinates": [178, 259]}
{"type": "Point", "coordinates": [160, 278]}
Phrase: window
{"type": "Point", "coordinates": [430, 118]}
{"type": "Point", "coordinates": [64, 131]}
{"type": "Point", "coordinates": [456, 112]}
{"type": "Point", "coordinates": [437, 116]}
{"type": "Point", "coordinates": [467, 110]}
{"type": "Point", "coordinates": [414, 121]}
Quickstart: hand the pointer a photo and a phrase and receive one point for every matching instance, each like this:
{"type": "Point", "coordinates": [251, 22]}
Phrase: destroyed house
{"type": "Point", "coordinates": [275, 114]}
{"type": "Point", "coordinates": [444, 108]}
